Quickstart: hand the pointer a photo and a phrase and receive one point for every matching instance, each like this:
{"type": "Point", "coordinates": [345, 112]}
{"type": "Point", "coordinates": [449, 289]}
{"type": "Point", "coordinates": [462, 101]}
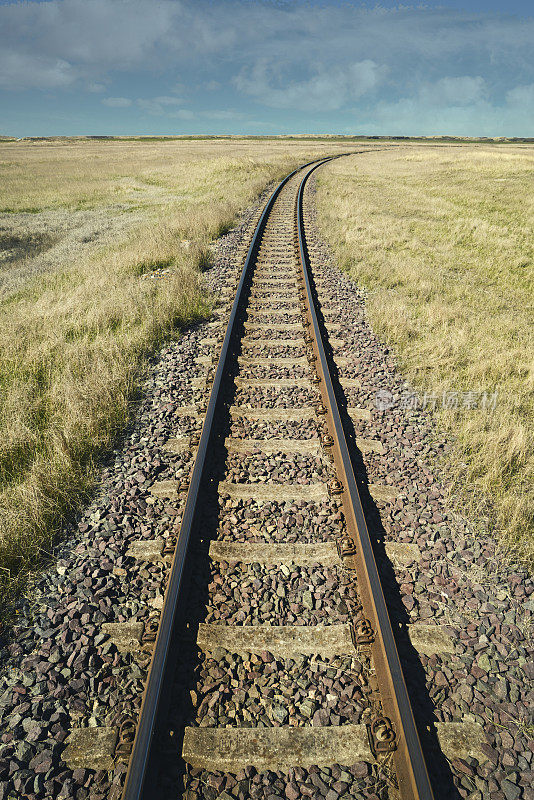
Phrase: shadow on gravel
{"type": "Point", "coordinates": [438, 767]}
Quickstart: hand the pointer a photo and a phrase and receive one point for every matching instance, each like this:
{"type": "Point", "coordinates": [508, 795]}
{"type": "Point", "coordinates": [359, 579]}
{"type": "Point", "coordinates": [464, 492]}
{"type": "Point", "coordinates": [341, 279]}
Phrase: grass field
{"type": "Point", "coordinates": [441, 240]}
{"type": "Point", "coordinates": [80, 223]}
{"type": "Point", "coordinates": [439, 237]}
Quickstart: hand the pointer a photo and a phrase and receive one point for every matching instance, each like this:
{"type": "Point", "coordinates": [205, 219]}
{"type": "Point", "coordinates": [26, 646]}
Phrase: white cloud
{"type": "Point", "coordinates": [162, 105]}
{"type": "Point", "coordinates": [166, 106]}
{"type": "Point", "coordinates": [430, 114]}
{"type": "Point", "coordinates": [59, 42]}
{"type": "Point", "coordinates": [311, 62]}
{"type": "Point", "coordinates": [117, 102]}
{"type": "Point", "coordinates": [327, 89]}
{"type": "Point", "coordinates": [314, 44]}
{"type": "Point", "coordinates": [461, 91]}
{"type": "Point", "coordinates": [28, 71]}
{"type": "Point", "coordinates": [183, 113]}
{"type": "Point", "coordinates": [166, 100]}
{"type": "Point", "coordinates": [522, 96]}
{"type": "Point", "coordinates": [222, 114]}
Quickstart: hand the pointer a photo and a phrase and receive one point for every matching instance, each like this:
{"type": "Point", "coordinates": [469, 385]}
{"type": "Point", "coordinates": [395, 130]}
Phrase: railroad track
{"type": "Point", "coordinates": [271, 455]}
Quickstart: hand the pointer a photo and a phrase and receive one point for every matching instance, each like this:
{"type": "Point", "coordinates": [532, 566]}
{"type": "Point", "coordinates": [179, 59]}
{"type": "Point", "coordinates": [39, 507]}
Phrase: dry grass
{"type": "Point", "coordinates": [39, 176]}
{"type": "Point", "coordinates": [441, 238]}
{"type": "Point", "coordinates": [76, 327]}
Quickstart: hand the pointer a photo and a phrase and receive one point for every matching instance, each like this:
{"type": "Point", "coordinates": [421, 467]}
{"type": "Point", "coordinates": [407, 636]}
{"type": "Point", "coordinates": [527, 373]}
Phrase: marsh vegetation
{"type": "Point", "coordinates": [441, 240]}
{"type": "Point", "coordinates": [438, 236]}
{"type": "Point", "coordinates": [80, 223]}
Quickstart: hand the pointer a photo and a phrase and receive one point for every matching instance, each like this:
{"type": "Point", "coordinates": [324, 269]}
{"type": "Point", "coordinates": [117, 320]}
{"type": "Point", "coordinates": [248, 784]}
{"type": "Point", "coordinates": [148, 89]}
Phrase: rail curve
{"type": "Point", "coordinates": [274, 297]}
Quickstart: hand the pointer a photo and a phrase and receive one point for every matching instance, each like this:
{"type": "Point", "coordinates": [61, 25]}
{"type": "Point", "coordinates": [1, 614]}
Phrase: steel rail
{"type": "Point", "coordinates": [408, 756]}
{"type": "Point", "coordinates": [135, 787]}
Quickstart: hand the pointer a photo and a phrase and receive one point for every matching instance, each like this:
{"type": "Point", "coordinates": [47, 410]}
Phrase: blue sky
{"type": "Point", "coordinates": [462, 67]}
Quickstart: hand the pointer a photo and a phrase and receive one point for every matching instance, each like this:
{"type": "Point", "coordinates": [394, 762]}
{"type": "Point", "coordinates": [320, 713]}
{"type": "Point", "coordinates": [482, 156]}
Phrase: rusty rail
{"type": "Point", "coordinates": [394, 730]}
{"type": "Point", "coordinates": [136, 787]}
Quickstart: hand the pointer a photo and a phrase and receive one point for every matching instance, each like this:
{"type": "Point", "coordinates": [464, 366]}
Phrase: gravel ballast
{"type": "Point", "coordinates": [59, 671]}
